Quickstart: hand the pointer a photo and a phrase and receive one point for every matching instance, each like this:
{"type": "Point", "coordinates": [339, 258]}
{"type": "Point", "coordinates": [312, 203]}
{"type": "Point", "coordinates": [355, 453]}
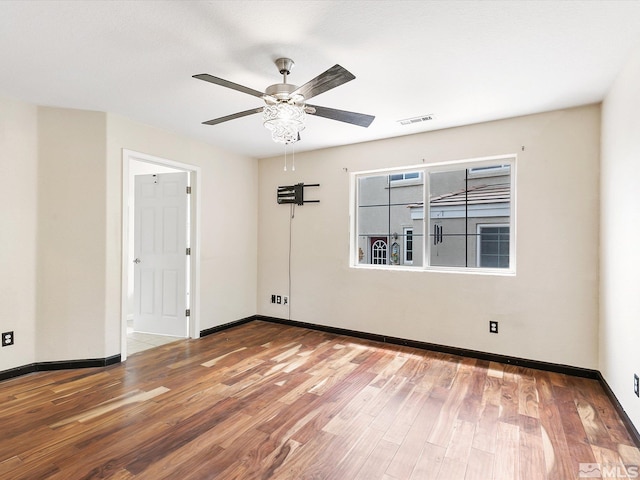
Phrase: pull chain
{"type": "Point", "coordinates": [293, 162]}
{"type": "Point", "coordinates": [285, 157]}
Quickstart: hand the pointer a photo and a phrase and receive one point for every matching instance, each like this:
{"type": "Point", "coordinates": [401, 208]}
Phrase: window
{"type": "Point", "coordinates": [405, 176]}
{"type": "Point", "coordinates": [404, 179]}
{"type": "Point", "coordinates": [383, 216]}
{"type": "Point", "coordinates": [408, 246]}
{"type": "Point", "coordinates": [459, 202]}
{"type": "Point", "coordinates": [455, 216]}
{"type": "Point", "coordinates": [493, 246]}
{"type": "Point", "coordinates": [379, 252]}
{"type": "Point", "coordinates": [488, 171]}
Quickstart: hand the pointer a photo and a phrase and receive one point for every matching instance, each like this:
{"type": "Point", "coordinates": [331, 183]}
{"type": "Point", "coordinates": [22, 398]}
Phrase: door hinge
{"type": "Point", "coordinates": [188, 250]}
{"type": "Point", "coordinates": [188, 190]}
{"type": "Point", "coordinates": [188, 312]}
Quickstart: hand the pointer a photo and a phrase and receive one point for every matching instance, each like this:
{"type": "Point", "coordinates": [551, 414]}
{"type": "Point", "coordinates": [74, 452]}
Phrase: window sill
{"type": "Point", "coordinates": [502, 272]}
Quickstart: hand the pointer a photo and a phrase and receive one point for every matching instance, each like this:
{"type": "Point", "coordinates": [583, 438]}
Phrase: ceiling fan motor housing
{"type": "Point", "coordinates": [282, 92]}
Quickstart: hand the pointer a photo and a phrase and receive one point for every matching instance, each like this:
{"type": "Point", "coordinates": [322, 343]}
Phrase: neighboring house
{"type": "Point", "coordinates": [469, 223]}
{"type": "Point", "coordinates": [387, 231]}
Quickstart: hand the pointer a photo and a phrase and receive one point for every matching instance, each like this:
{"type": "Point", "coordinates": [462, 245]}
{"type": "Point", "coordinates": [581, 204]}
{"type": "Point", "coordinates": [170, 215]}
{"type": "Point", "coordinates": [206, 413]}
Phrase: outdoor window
{"type": "Point", "coordinates": [397, 177]}
{"type": "Point", "coordinates": [493, 246]}
{"type": "Point", "coordinates": [408, 246]}
{"type": "Point", "coordinates": [489, 170]}
{"type": "Point", "coordinates": [467, 222]}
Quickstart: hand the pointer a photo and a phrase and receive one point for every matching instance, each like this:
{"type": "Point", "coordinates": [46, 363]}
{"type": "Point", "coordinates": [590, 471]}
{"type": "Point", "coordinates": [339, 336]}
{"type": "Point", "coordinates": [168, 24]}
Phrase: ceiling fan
{"type": "Point", "coordinates": [285, 104]}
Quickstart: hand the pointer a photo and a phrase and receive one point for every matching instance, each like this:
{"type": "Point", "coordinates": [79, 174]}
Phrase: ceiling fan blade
{"type": "Point", "coordinates": [226, 83]}
{"type": "Point", "coordinates": [216, 121]}
{"type": "Point", "coordinates": [359, 119]}
{"type": "Point", "coordinates": [334, 77]}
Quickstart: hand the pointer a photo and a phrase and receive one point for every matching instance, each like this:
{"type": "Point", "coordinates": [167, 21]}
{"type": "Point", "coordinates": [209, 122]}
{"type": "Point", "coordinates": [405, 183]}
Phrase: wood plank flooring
{"type": "Point", "coordinates": [263, 401]}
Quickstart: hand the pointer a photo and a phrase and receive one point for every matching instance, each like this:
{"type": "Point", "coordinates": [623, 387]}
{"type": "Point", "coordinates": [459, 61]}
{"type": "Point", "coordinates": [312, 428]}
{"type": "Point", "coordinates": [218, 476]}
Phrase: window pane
{"type": "Point", "coordinates": [489, 247]}
{"type": "Point", "coordinates": [408, 245]}
{"type": "Point", "coordinates": [448, 251]}
{"type": "Point", "coordinates": [385, 213]}
{"type": "Point", "coordinates": [459, 204]}
{"type": "Point", "coordinates": [494, 246]}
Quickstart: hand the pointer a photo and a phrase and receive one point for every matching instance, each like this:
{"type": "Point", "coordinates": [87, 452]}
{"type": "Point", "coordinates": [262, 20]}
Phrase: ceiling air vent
{"type": "Point", "coordinates": [421, 118]}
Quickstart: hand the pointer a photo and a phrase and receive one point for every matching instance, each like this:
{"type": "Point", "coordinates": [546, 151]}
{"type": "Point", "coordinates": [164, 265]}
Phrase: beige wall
{"type": "Point", "coordinates": [619, 255]}
{"type": "Point", "coordinates": [18, 225]}
{"type": "Point", "coordinates": [61, 217]}
{"type": "Point", "coordinates": [71, 234]}
{"type": "Point", "coordinates": [547, 312]}
{"type": "Point", "coordinates": [229, 209]}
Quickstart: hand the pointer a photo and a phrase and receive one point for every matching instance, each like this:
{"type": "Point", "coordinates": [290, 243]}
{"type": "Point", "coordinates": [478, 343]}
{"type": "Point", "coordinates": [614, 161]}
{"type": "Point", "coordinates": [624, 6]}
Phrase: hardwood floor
{"type": "Point", "coordinates": [139, 342]}
{"type": "Point", "coordinates": [266, 401]}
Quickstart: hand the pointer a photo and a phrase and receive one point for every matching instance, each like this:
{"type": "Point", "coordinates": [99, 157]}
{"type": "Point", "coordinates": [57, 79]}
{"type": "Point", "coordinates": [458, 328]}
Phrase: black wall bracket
{"type": "Point", "coordinates": [295, 193]}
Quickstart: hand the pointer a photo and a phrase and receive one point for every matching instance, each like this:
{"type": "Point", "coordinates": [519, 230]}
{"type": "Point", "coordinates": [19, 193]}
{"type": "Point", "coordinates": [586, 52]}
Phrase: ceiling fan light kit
{"type": "Point", "coordinates": [285, 121]}
{"type": "Point", "coordinates": [285, 110]}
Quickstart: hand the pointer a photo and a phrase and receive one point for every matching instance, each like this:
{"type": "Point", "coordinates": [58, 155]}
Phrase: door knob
{"type": "Point", "coordinates": [137, 260]}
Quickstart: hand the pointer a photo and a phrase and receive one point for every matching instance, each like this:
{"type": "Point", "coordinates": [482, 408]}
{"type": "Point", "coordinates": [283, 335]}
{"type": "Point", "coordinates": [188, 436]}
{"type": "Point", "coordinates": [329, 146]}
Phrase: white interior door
{"type": "Point", "coordinates": [160, 243]}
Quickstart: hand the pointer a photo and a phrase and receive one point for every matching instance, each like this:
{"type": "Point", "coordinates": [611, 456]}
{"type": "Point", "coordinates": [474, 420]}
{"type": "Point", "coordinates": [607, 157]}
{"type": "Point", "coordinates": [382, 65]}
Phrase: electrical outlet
{"type": "Point", "coordinates": [636, 385]}
{"type": "Point", "coordinates": [273, 299]}
{"type": "Point", "coordinates": [279, 299]}
{"type": "Point", "coordinates": [285, 300]}
{"type": "Point", "coordinates": [7, 339]}
{"type": "Point", "coordinates": [493, 326]}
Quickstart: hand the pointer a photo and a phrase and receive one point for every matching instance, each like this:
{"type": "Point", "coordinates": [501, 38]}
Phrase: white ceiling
{"type": "Point", "coordinates": [462, 61]}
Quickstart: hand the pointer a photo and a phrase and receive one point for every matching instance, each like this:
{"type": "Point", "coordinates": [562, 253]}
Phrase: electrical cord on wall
{"type": "Point", "coordinates": [291, 217]}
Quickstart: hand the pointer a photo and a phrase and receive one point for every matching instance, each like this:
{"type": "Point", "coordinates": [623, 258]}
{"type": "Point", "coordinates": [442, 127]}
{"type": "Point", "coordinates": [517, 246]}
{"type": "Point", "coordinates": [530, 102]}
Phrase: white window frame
{"type": "Point", "coordinates": [502, 160]}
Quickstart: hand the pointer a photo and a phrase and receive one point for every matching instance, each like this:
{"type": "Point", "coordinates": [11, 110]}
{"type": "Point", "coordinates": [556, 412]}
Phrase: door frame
{"type": "Point", "coordinates": [129, 156]}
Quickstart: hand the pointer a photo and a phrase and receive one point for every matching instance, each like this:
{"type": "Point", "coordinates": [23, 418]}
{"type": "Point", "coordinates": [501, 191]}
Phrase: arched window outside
{"type": "Point", "coordinates": [379, 252]}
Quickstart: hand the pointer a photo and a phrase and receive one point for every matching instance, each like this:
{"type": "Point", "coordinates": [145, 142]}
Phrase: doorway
{"type": "Point", "coordinates": [142, 335]}
{"type": "Point", "coordinates": [378, 249]}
